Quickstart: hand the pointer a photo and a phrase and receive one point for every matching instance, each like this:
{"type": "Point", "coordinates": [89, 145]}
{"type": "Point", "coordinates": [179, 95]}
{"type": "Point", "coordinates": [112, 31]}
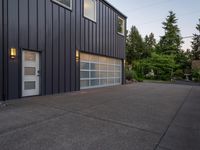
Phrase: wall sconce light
{"type": "Point", "coordinates": [13, 53]}
{"type": "Point", "coordinates": [77, 55]}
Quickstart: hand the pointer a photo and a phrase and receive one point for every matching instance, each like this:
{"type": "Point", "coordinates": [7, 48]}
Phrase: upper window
{"type": "Point", "coordinates": [120, 26]}
{"type": "Point", "coordinates": [90, 9]}
{"type": "Point", "coordinates": [64, 3]}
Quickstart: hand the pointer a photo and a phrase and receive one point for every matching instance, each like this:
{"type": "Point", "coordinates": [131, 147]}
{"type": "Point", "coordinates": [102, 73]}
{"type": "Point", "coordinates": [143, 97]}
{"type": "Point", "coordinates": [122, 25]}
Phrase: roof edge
{"type": "Point", "coordinates": [108, 3]}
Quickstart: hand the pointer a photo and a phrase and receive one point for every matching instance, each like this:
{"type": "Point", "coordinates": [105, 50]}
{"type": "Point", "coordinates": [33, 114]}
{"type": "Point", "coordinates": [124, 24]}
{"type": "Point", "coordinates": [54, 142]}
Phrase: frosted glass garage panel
{"type": "Point", "coordinates": [84, 65]}
{"type": "Point", "coordinates": [84, 57]}
{"type": "Point", "coordinates": [94, 66]}
{"type": "Point", "coordinates": [99, 71]}
{"type": "Point", "coordinates": [84, 74]}
{"type": "Point", "coordinates": [94, 74]}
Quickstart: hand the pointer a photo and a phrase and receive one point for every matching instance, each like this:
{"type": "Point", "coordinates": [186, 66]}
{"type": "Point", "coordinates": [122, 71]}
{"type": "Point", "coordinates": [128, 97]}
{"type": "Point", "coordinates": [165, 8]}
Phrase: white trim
{"type": "Point", "coordinates": [31, 78]}
{"type": "Point", "coordinates": [123, 26]}
{"type": "Point", "coordinates": [60, 3]}
{"type": "Point", "coordinates": [101, 86]}
{"type": "Point", "coordinates": [95, 11]}
{"type": "Point", "coordinates": [100, 63]}
{"type": "Point", "coordinates": [100, 78]}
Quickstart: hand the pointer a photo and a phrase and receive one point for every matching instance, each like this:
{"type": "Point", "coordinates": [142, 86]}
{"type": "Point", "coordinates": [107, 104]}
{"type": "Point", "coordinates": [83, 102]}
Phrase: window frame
{"type": "Point", "coordinates": [95, 19]}
{"type": "Point", "coordinates": [63, 5]}
{"type": "Point", "coordinates": [123, 34]}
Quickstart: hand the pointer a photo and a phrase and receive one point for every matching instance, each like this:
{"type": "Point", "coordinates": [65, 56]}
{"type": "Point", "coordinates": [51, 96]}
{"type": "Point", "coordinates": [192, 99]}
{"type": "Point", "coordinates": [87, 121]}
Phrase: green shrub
{"type": "Point", "coordinates": [139, 79]}
{"type": "Point", "coordinates": [132, 75]}
{"type": "Point", "coordinates": [178, 74]}
{"type": "Point", "coordinates": [129, 74]}
{"type": "Point", "coordinates": [162, 66]}
{"type": "Point", "coordinates": [196, 74]}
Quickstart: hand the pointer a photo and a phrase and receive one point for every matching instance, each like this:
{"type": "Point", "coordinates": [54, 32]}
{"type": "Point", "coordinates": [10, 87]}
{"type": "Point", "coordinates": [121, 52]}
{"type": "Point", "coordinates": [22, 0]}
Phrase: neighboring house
{"type": "Point", "coordinates": [56, 46]}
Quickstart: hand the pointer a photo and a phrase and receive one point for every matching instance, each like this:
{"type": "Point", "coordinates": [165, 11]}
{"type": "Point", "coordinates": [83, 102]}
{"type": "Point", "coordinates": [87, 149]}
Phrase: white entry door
{"type": "Point", "coordinates": [30, 73]}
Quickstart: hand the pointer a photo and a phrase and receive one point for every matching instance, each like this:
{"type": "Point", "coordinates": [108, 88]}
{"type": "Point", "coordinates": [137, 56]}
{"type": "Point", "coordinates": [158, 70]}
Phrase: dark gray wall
{"type": "Point", "coordinates": [1, 50]}
{"type": "Point", "coordinates": [56, 33]}
{"type": "Point", "coordinates": [101, 37]}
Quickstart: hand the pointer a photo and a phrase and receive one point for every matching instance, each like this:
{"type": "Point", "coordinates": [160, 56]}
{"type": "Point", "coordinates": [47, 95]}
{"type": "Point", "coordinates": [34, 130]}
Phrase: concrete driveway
{"type": "Point", "coordinates": [142, 116]}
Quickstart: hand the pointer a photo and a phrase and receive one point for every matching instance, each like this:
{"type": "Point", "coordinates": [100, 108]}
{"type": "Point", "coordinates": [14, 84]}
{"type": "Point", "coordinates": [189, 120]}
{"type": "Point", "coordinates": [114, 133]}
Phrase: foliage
{"type": "Point", "coordinates": [183, 60]}
{"type": "Point", "coordinates": [196, 74]}
{"type": "Point", "coordinates": [149, 43]}
{"type": "Point", "coordinates": [132, 75]}
{"type": "Point", "coordinates": [165, 59]}
{"type": "Point", "coordinates": [170, 42]}
{"type": "Point", "coordinates": [179, 74]}
{"type": "Point", "coordinates": [134, 45]}
{"type": "Point", "coordinates": [196, 43]}
{"type": "Point", "coordinates": [162, 65]}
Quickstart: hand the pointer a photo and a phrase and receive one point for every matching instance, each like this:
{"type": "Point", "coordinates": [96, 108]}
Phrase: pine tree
{"type": "Point", "coordinates": [150, 43]}
{"type": "Point", "coordinates": [134, 46]}
{"type": "Point", "coordinates": [196, 43]}
{"type": "Point", "coordinates": [171, 42]}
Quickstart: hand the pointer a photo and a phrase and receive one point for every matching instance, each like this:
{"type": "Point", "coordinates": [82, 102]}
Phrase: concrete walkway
{"type": "Point", "coordinates": [142, 116]}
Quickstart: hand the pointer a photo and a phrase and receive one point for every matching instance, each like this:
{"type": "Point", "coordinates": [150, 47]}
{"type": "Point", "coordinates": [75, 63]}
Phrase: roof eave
{"type": "Point", "coordinates": [108, 3]}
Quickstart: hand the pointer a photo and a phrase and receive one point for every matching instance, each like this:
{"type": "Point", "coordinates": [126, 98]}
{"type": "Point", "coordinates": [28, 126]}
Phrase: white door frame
{"type": "Point", "coordinates": [31, 76]}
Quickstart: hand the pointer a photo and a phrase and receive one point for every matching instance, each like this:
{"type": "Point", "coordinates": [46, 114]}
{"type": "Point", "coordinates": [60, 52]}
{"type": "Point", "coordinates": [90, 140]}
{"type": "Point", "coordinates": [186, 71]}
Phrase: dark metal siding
{"type": "Point", "coordinates": [5, 47]}
{"type": "Point", "coordinates": [41, 40]}
{"type": "Point", "coordinates": [55, 32]}
{"type": "Point", "coordinates": [1, 50]}
{"type": "Point", "coordinates": [13, 41]}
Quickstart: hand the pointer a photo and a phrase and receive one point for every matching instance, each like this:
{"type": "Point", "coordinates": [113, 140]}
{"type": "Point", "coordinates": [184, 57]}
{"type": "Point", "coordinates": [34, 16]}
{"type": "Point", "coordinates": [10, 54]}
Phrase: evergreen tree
{"type": "Point", "coordinates": [171, 42]}
{"type": "Point", "coordinates": [183, 59]}
{"type": "Point", "coordinates": [134, 46]}
{"type": "Point", "coordinates": [196, 43]}
{"type": "Point", "coordinates": [150, 43]}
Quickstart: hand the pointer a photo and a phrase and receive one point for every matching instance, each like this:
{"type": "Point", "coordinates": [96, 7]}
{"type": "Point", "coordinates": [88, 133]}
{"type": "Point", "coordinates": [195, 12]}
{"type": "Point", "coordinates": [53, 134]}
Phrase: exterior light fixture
{"type": "Point", "coordinates": [77, 55]}
{"type": "Point", "coordinates": [13, 53]}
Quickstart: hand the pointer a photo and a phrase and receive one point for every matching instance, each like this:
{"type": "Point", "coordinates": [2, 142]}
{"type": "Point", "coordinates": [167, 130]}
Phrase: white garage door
{"type": "Point", "coordinates": [98, 71]}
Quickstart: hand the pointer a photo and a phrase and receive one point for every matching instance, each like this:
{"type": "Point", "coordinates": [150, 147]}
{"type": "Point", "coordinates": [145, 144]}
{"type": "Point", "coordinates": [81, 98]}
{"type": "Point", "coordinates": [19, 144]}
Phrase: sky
{"type": "Point", "coordinates": [148, 15]}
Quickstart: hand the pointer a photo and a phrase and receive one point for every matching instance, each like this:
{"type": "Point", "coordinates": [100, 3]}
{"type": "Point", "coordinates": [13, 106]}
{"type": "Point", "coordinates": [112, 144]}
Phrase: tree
{"type": "Point", "coordinates": [196, 43]}
{"type": "Point", "coordinates": [134, 46]}
{"type": "Point", "coordinates": [150, 43]}
{"type": "Point", "coordinates": [183, 60]}
{"type": "Point", "coordinates": [161, 65]}
{"type": "Point", "coordinates": [171, 42]}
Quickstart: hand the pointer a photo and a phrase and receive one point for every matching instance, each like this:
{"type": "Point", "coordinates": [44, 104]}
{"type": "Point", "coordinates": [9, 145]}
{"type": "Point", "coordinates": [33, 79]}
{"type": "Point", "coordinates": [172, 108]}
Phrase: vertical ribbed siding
{"type": "Point", "coordinates": [1, 49]}
{"type": "Point", "coordinates": [13, 67]}
{"type": "Point", "coordinates": [5, 47]}
{"type": "Point", "coordinates": [56, 32]}
{"type": "Point", "coordinates": [48, 45]}
{"type": "Point", "coordinates": [41, 37]}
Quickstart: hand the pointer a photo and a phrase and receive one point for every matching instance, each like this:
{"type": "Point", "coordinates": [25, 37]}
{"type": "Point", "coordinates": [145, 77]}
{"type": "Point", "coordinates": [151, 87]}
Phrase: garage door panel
{"type": "Point", "coordinates": [84, 66]}
{"type": "Point", "coordinates": [98, 71]}
{"type": "Point", "coordinates": [94, 66]}
{"type": "Point", "coordinates": [94, 74]}
{"type": "Point", "coordinates": [85, 74]}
